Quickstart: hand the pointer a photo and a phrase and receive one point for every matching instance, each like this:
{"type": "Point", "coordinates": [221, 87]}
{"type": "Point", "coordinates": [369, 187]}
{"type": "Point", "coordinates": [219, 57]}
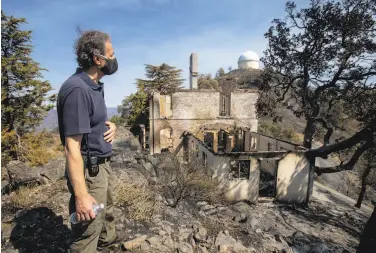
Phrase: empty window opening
{"type": "Point", "coordinates": [253, 143]}
{"type": "Point", "coordinates": [221, 141]}
{"type": "Point", "coordinates": [270, 147]}
{"type": "Point", "coordinates": [165, 106]}
{"type": "Point", "coordinates": [166, 139]}
{"type": "Point", "coordinates": [209, 139]}
{"type": "Point", "coordinates": [240, 140]}
{"type": "Point", "coordinates": [242, 169]}
{"type": "Point", "coordinates": [204, 160]}
{"type": "Point", "coordinates": [224, 105]}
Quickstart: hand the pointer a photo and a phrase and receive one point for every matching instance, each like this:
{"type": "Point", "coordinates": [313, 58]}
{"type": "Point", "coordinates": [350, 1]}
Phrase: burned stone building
{"type": "Point", "coordinates": [210, 114]}
{"type": "Point", "coordinates": [219, 128]}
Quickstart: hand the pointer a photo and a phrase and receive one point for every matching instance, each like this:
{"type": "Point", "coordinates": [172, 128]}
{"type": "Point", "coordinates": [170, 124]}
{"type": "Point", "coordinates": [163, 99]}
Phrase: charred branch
{"type": "Point", "coordinates": [366, 134]}
{"type": "Point", "coordinates": [350, 164]}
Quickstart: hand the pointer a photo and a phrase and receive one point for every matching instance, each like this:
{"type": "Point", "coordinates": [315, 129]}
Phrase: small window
{"type": "Point", "coordinates": [204, 160]}
{"type": "Point", "coordinates": [242, 169]}
{"type": "Point", "coordinates": [209, 139]}
{"type": "Point", "coordinates": [270, 147]}
{"type": "Point", "coordinates": [165, 106]}
{"type": "Point", "coordinates": [253, 143]}
{"type": "Point", "coordinates": [221, 141]}
{"type": "Point", "coordinates": [224, 105]}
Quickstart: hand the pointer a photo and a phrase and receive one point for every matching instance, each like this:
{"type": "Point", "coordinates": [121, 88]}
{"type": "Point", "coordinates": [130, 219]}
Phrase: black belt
{"type": "Point", "coordinates": [104, 159]}
{"type": "Point", "coordinates": [100, 160]}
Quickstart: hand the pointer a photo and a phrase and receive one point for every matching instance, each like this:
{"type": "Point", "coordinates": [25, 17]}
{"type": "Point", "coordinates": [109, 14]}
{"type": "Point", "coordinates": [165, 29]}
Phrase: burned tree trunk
{"type": "Point", "coordinates": [364, 186]}
{"type": "Point", "coordinates": [308, 134]}
{"type": "Point", "coordinates": [361, 196]}
{"type": "Point", "coordinates": [368, 238]}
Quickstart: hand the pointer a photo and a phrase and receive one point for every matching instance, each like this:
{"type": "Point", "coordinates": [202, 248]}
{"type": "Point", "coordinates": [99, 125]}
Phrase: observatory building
{"type": "Point", "coordinates": [249, 60]}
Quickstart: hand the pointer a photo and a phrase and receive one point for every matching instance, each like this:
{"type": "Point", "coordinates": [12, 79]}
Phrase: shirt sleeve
{"type": "Point", "coordinates": [76, 113]}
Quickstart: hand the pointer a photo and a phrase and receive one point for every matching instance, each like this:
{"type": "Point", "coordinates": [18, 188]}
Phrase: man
{"type": "Point", "coordinates": [85, 130]}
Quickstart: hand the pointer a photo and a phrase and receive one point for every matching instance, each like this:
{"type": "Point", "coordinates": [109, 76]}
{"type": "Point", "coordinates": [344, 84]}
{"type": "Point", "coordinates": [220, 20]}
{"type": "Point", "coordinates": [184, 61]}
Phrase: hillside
{"type": "Point", "coordinates": [35, 219]}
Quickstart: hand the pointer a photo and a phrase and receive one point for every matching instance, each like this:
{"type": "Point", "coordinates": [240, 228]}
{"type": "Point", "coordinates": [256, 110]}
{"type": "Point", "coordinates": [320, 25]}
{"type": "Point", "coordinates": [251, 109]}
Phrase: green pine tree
{"type": "Point", "coordinates": [24, 95]}
{"type": "Point", "coordinates": [163, 78]}
{"type": "Point", "coordinates": [134, 109]}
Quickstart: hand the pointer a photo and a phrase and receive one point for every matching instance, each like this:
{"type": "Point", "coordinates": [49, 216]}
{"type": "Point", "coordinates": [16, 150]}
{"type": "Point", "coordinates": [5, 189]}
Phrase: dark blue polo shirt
{"type": "Point", "coordinates": [82, 110]}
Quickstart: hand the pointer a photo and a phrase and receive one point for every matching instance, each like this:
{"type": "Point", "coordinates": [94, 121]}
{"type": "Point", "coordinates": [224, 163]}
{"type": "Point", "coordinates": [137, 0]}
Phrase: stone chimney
{"type": "Point", "coordinates": [193, 71]}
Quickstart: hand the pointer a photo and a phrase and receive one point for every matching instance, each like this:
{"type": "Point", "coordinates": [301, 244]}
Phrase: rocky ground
{"type": "Point", "coordinates": [35, 219]}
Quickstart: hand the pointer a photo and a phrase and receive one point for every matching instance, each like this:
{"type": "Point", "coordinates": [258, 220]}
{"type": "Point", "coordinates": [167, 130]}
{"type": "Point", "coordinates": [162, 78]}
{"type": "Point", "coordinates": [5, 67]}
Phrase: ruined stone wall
{"type": "Point", "coordinates": [293, 184]}
{"type": "Point", "coordinates": [195, 111]}
{"type": "Point", "coordinates": [243, 105]}
{"type": "Point", "coordinates": [266, 143]}
{"type": "Point", "coordinates": [219, 167]}
{"type": "Point", "coordinates": [178, 127]}
{"type": "Point", "coordinates": [195, 105]}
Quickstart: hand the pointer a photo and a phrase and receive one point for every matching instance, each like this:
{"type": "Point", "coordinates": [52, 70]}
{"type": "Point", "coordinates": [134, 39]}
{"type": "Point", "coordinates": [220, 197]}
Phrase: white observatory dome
{"type": "Point", "coordinates": [248, 59]}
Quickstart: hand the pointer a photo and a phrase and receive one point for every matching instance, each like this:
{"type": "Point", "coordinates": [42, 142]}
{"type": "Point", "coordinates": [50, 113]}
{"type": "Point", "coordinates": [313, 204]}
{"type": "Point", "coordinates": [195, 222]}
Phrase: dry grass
{"type": "Point", "coordinates": [298, 138]}
{"type": "Point", "coordinates": [204, 188]}
{"type": "Point", "coordinates": [6, 226]}
{"type": "Point", "coordinates": [139, 201]}
{"type": "Point", "coordinates": [23, 197]}
{"type": "Point", "coordinates": [181, 181]}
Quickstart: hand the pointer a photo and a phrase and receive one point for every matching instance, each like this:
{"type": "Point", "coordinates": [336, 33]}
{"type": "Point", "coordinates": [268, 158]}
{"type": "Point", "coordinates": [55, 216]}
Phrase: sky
{"type": "Point", "coordinates": [147, 32]}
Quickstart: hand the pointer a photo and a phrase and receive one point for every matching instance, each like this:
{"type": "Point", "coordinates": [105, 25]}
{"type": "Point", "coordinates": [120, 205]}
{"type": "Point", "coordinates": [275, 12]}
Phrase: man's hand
{"type": "Point", "coordinates": [109, 136]}
{"type": "Point", "coordinates": [84, 207]}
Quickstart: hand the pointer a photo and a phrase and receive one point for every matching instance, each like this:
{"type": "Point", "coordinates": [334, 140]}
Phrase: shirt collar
{"type": "Point", "coordinates": [80, 72]}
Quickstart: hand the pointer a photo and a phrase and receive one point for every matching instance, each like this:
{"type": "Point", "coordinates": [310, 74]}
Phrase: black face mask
{"type": "Point", "coordinates": [110, 67]}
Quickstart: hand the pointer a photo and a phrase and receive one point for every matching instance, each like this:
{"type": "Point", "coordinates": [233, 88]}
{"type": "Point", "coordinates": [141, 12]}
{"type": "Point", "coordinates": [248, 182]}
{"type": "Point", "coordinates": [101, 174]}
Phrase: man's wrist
{"type": "Point", "coordinates": [80, 190]}
{"type": "Point", "coordinates": [81, 194]}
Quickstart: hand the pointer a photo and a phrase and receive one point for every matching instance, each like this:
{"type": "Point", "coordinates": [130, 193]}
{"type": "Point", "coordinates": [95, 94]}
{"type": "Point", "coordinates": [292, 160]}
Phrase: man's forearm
{"type": "Point", "coordinates": [75, 167]}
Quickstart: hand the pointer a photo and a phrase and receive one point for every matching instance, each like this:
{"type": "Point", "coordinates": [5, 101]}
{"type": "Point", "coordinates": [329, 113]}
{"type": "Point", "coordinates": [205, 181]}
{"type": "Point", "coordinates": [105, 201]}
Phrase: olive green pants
{"type": "Point", "coordinates": [85, 236]}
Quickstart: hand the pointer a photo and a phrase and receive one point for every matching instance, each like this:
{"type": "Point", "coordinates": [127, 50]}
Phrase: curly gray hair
{"type": "Point", "coordinates": [88, 44]}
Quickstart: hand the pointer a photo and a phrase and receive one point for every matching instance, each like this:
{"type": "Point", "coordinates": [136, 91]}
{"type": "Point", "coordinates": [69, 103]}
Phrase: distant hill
{"type": "Point", "coordinates": [50, 121]}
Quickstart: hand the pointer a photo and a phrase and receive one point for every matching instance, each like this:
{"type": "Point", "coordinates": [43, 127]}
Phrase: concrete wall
{"type": "Point", "coordinates": [243, 105]}
{"type": "Point", "coordinates": [196, 111]}
{"type": "Point", "coordinates": [276, 144]}
{"type": "Point", "coordinates": [195, 105]}
{"type": "Point", "coordinates": [293, 170]}
{"type": "Point", "coordinates": [245, 189]}
{"type": "Point", "coordinates": [219, 167]}
{"type": "Point", "coordinates": [293, 179]}
{"type": "Point", "coordinates": [266, 143]}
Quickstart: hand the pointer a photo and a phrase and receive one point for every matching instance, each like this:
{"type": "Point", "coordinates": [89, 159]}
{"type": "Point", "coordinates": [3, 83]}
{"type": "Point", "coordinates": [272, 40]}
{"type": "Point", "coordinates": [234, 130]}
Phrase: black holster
{"type": "Point", "coordinates": [90, 161]}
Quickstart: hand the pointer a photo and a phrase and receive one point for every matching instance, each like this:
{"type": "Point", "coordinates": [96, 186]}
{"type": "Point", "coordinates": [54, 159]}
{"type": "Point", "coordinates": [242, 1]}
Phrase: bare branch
{"type": "Point", "coordinates": [335, 78]}
{"type": "Point", "coordinates": [359, 77]}
{"type": "Point", "coordinates": [323, 152]}
{"type": "Point", "coordinates": [349, 165]}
